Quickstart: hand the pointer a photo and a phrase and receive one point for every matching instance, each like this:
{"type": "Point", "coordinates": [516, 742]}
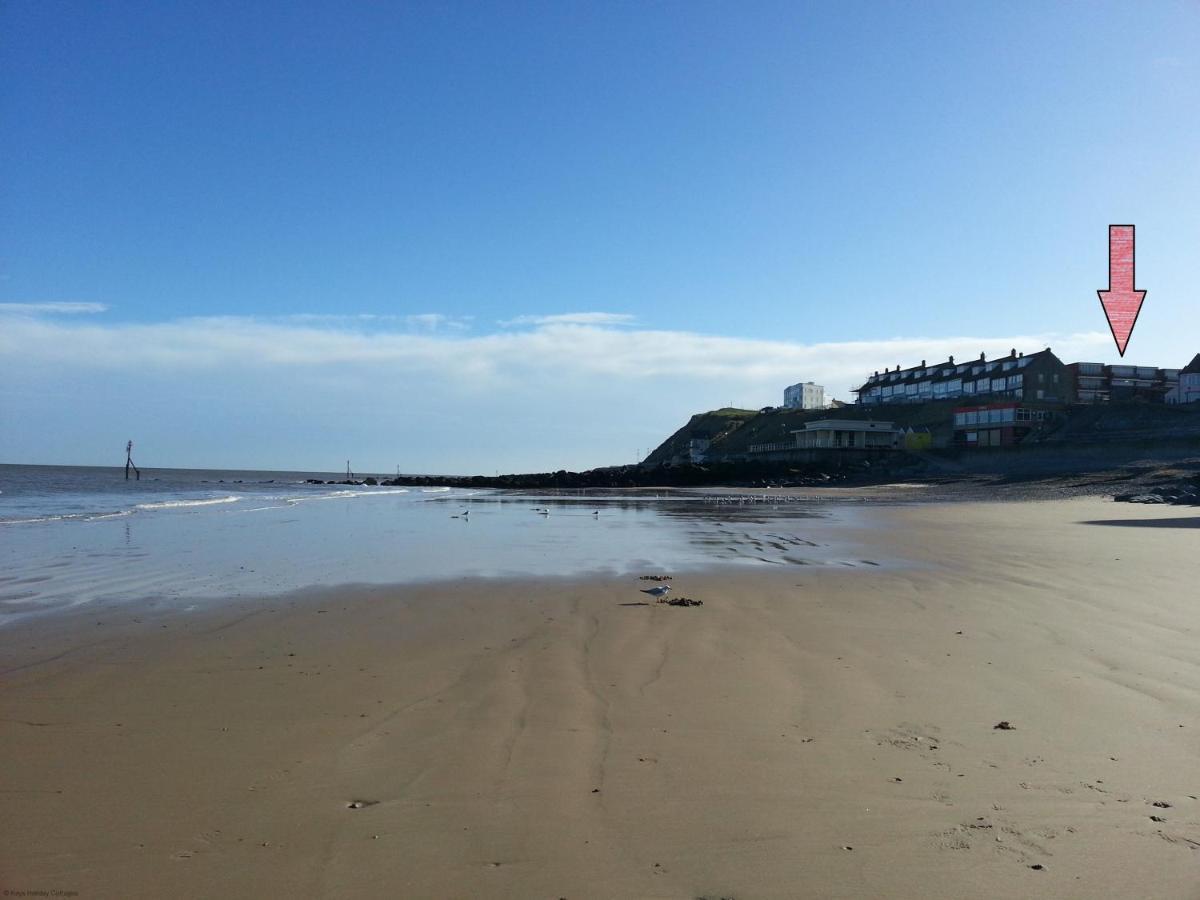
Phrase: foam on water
{"type": "Point", "coordinates": [178, 504]}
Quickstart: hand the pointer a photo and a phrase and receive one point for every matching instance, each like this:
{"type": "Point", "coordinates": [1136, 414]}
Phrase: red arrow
{"type": "Point", "coordinates": [1121, 302]}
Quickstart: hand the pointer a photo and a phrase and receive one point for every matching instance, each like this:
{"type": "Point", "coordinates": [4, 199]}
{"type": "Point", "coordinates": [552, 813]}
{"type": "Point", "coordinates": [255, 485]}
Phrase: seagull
{"type": "Point", "coordinates": [596, 513]}
{"type": "Point", "coordinates": [657, 592]}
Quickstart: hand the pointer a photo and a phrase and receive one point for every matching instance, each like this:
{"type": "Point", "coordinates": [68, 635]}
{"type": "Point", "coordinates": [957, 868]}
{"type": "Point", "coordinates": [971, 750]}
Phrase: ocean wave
{"type": "Point", "coordinates": [340, 495]}
{"type": "Point", "coordinates": [435, 490]}
{"type": "Point", "coordinates": [175, 504]}
{"type": "Point", "coordinates": [34, 520]}
{"type": "Point", "coordinates": [63, 517]}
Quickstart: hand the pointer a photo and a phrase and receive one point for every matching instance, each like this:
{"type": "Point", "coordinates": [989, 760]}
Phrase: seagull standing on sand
{"type": "Point", "coordinates": [657, 592]}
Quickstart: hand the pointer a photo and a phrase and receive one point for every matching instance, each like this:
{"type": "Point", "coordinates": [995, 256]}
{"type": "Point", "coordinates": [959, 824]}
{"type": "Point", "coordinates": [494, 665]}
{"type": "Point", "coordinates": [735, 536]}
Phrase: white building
{"type": "Point", "coordinates": [1188, 389]}
{"type": "Point", "coordinates": [847, 434]}
{"type": "Point", "coordinates": [805, 395]}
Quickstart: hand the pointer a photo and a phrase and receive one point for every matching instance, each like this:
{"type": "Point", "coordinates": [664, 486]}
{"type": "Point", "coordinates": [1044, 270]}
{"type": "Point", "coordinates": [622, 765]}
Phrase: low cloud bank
{"type": "Point", "coordinates": [576, 345]}
{"type": "Point", "coordinates": [427, 393]}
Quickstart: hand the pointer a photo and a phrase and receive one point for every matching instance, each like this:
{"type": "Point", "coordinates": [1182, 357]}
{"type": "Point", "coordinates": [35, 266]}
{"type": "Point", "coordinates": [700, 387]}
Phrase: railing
{"type": "Point", "coordinates": [771, 447]}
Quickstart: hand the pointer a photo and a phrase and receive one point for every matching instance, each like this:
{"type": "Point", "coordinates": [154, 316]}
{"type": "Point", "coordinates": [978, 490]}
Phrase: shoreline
{"type": "Point", "coordinates": [540, 737]}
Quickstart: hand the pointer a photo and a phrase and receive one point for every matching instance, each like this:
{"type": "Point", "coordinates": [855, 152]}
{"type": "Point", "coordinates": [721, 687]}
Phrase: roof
{"type": "Point", "coordinates": [846, 425]}
{"type": "Point", "coordinates": [966, 369]}
{"type": "Point", "coordinates": [1192, 368]}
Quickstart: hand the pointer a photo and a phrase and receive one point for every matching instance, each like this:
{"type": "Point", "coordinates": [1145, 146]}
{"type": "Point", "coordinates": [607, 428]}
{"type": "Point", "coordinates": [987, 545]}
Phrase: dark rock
{"type": "Point", "coordinates": [1004, 726]}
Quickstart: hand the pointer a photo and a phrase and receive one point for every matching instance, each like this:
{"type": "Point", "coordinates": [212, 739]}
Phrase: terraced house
{"type": "Point", "coordinates": [1038, 376]}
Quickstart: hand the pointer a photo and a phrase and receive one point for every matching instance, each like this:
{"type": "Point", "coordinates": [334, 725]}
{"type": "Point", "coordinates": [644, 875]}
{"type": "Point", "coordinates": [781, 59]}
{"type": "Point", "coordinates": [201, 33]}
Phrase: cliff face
{"type": "Point", "coordinates": [714, 427]}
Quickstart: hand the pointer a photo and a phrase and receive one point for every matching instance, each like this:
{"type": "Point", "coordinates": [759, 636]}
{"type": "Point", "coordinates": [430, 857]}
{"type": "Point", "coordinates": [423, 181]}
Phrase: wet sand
{"type": "Point", "coordinates": [811, 730]}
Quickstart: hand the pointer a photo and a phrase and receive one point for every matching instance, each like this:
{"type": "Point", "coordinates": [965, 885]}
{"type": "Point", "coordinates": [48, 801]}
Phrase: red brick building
{"type": "Point", "coordinates": [995, 424]}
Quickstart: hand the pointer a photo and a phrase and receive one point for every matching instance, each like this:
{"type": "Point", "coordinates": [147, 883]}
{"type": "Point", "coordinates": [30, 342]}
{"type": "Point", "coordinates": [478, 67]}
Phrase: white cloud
{"type": "Point", "coordinates": [419, 321]}
{"type": "Point", "coordinates": [438, 321]}
{"type": "Point", "coordinates": [437, 399]}
{"type": "Point", "coordinates": [51, 308]}
{"type": "Point", "coordinates": [579, 318]}
{"type": "Point", "coordinates": [556, 347]}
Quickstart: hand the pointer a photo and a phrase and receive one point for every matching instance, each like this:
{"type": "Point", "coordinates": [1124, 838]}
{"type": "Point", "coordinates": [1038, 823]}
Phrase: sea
{"type": "Point", "coordinates": [72, 535]}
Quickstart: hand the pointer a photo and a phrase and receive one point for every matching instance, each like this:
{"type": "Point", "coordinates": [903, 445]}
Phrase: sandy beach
{"type": "Point", "coordinates": [810, 731]}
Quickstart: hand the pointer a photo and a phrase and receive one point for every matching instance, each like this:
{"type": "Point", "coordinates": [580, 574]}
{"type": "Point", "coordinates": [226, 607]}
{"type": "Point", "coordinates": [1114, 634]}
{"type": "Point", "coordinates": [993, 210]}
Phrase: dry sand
{"type": "Point", "coordinates": [811, 731]}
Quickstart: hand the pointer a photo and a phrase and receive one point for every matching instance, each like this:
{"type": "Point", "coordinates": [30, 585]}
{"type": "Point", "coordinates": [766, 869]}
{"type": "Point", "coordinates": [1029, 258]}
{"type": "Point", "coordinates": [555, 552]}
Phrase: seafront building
{"type": "Point", "coordinates": [1187, 388]}
{"type": "Point", "coordinates": [995, 424]}
{"type": "Point", "coordinates": [804, 395]}
{"type": "Point", "coordinates": [1101, 383]}
{"type": "Point", "coordinates": [847, 434]}
{"type": "Point", "coordinates": [1038, 376]}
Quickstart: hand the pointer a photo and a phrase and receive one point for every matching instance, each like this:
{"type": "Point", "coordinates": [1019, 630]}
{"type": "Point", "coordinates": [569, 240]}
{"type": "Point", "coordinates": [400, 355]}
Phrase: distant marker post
{"type": "Point", "coordinates": [1121, 302]}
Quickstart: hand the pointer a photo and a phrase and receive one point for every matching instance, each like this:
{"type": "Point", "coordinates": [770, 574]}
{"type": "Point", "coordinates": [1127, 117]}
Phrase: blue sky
{"type": "Point", "coordinates": [292, 233]}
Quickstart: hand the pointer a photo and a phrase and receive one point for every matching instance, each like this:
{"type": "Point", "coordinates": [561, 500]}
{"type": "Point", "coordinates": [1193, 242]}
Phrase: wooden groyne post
{"type": "Point", "coordinates": [129, 463]}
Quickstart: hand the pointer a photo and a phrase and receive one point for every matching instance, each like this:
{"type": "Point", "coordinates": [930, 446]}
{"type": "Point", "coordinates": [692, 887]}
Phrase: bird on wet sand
{"type": "Point", "coordinates": [657, 592]}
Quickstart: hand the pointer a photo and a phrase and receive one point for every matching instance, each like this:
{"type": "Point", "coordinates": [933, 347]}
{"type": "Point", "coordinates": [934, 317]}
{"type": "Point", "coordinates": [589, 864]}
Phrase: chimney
{"type": "Point", "coordinates": [982, 357]}
{"type": "Point", "coordinates": [1021, 355]}
{"type": "Point", "coordinates": [922, 364]}
{"type": "Point", "coordinates": [1013, 352]}
{"type": "Point", "coordinates": [951, 360]}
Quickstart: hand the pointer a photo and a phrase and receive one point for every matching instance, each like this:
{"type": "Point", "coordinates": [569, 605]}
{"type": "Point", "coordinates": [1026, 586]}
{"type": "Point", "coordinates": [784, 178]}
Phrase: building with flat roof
{"type": "Point", "coordinates": [1102, 383]}
{"type": "Point", "coordinates": [995, 424]}
{"type": "Point", "coordinates": [1037, 376]}
{"type": "Point", "coordinates": [847, 434]}
{"type": "Point", "coordinates": [804, 395]}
